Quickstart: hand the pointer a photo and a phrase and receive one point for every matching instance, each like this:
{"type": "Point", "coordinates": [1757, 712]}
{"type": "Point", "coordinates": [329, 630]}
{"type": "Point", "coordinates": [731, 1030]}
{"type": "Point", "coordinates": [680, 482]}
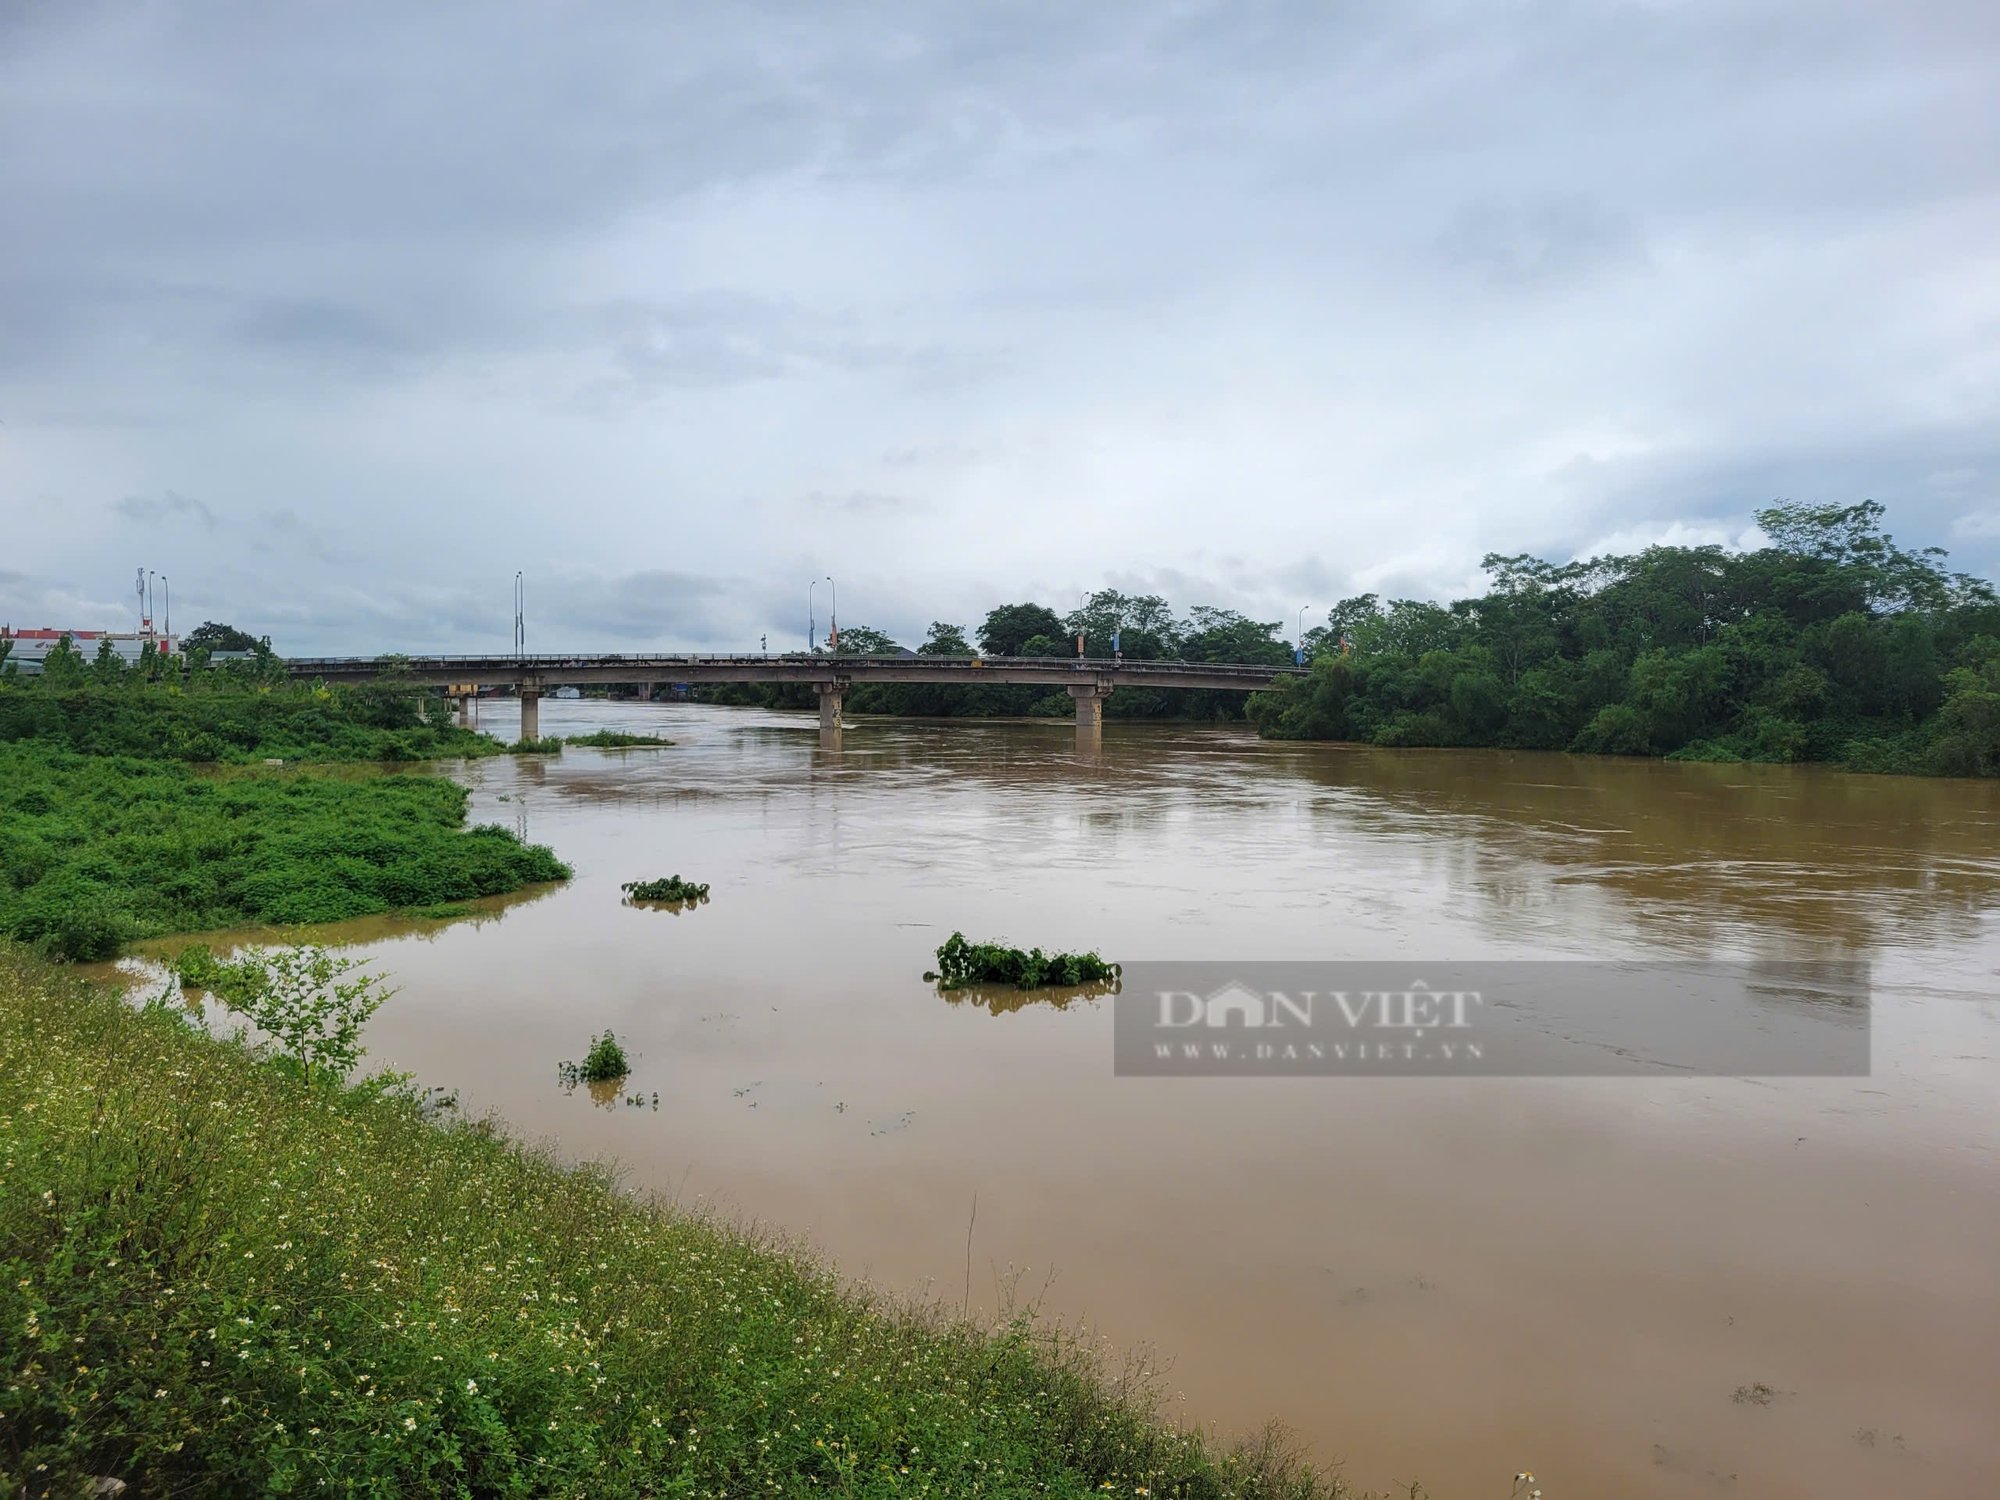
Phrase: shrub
{"type": "Point", "coordinates": [604, 1062]}
{"type": "Point", "coordinates": [673, 888]}
{"type": "Point", "coordinates": [961, 963]}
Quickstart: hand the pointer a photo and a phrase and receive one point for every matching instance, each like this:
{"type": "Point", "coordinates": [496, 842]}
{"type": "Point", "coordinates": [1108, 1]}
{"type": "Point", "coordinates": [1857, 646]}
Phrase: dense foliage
{"type": "Point", "coordinates": [239, 712]}
{"type": "Point", "coordinates": [672, 888]}
{"type": "Point", "coordinates": [962, 963]}
{"type": "Point", "coordinates": [1831, 644]}
{"type": "Point", "coordinates": [215, 1282]}
{"type": "Point", "coordinates": [617, 739]}
{"type": "Point", "coordinates": [96, 850]}
{"type": "Point", "coordinates": [605, 1062]}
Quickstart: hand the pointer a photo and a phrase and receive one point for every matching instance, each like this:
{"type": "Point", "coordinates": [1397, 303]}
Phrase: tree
{"type": "Point", "coordinates": [859, 640]}
{"type": "Point", "coordinates": [301, 998]}
{"type": "Point", "coordinates": [945, 640]}
{"type": "Point", "coordinates": [62, 666]}
{"type": "Point", "coordinates": [209, 636]}
{"type": "Point", "coordinates": [1006, 630]}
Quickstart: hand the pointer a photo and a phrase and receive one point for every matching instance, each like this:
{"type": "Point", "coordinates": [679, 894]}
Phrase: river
{"type": "Point", "coordinates": [1638, 1285]}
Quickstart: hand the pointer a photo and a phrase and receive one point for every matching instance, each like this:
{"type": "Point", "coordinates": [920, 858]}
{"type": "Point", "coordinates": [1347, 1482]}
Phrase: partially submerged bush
{"type": "Point", "coordinates": [603, 1063]}
{"type": "Point", "coordinates": [301, 998]}
{"type": "Point", "coordinates": [673, 888]}
{"type": "Point", "coordinates": [617, 739]}
{"type": "Point", "coordinates": [961, 963]}
{"type": "Point", "coordinates": [548, 744]}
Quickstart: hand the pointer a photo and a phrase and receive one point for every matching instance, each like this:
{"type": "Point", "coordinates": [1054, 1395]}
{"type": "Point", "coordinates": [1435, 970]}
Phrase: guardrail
{"type": "Point", "coordinates": [304, 665]}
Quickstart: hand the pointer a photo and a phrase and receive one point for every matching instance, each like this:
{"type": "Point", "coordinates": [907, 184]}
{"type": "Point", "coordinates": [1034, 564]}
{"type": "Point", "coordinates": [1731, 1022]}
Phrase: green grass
{"type": "Point", "coordinates": [216, 1280]}
{"type": "Point", "coordinates": [98, 850]}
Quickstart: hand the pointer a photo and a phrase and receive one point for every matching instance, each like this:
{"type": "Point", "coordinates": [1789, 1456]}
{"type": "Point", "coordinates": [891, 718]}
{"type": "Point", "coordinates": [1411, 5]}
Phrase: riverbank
{"type": "Point", "coordinates": [98, 850]}
{"type": "Point", "coordinates": [214, 1278]}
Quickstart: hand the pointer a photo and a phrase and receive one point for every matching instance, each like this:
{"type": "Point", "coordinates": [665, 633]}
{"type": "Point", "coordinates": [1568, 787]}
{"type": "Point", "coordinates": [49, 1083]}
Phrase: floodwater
{"type": "Point", "coordinates": [1639, 1285]}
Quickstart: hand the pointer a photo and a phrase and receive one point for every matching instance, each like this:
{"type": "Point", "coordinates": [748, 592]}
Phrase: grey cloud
{"type": "Point", "coordinates": [1534, 242]}
{"type": "Point", "coordinates": [168, 507]}
{"type": "Point", "coordinates": [860, 503]}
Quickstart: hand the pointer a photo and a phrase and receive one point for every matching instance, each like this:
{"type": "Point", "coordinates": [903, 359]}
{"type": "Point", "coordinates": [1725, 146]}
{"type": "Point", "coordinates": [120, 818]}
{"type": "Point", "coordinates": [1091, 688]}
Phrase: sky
{"type": "Point", "coordinates": [338, 315]}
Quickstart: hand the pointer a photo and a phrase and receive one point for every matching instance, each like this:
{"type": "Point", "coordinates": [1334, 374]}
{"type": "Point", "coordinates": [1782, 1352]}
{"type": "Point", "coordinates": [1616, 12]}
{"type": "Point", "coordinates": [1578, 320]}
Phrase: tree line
{"type": "Point", "coordinates": [1144, 627]}
{"type": "Point", "coordinates": [1831, 643]}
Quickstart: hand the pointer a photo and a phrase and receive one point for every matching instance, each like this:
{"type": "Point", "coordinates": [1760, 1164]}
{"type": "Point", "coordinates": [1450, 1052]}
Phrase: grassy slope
{"type": "Point", "coordinates": [212, 1281]}
{"type": "Point", "coordinates": [98, 849]}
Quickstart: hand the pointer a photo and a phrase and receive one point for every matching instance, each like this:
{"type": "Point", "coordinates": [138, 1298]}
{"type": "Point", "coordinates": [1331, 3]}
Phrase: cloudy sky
{"type": "Point", "coordinates": [338, 314]}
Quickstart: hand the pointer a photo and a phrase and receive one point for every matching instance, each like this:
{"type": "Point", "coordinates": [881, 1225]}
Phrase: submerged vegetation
{"type": "Point", "coordinates": [617, 739]}
{"type": "Point", "coordinates": [962, 964]}
{"type": "Point", "coordinates": [673, 888]}
{"type": "Point", "coordinates": [213, 1280]}
{"type": "Point", "coordinates": [603, 1063]}
{"type": "Point", "coordinates": [1830, 644]}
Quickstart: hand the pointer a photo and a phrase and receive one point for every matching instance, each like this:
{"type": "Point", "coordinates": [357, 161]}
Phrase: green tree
{"type": "Point", "coordinates": [860, 640]}
{"type": "Point", "coordinates": [1005, 630]}
{"type": "Point", "coordinates": [945, 640]}
{"type": "Point", "coordinates": [209, 636]}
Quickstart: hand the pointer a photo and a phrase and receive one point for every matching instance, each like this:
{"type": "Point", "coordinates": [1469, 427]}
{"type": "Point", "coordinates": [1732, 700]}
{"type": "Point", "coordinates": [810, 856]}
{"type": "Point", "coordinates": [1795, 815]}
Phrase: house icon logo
{"type": "Point", "coordinates": [1236, 1004]}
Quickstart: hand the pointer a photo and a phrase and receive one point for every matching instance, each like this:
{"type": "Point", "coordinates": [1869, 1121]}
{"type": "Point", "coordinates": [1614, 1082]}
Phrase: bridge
{"type": "Point", "coordinates": [1089, 680]}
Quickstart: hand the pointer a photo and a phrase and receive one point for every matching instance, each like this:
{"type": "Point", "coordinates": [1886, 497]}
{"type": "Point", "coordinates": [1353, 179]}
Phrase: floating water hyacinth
{"type": "Point", "coordinates": [673, 888]}
{"type": "Point", "coordinates": [962, 963]}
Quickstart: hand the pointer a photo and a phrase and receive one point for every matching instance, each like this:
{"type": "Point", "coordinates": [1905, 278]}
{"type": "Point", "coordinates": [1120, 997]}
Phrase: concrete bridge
{"type": "Point", "coordinates": [1089, 680]}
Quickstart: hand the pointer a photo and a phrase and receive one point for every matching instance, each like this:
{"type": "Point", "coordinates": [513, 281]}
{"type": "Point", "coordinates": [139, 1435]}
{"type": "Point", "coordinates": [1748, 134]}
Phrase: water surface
{"type": "Point", "coordinates": [1438, 1279]}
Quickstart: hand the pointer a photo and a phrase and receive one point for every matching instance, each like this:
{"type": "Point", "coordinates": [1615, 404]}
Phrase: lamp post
{"type": "Point", "coordinates": [1082, 604]}
{"type": "Point", "coordinates": [812, 623]}
{"type": "Point", "coordinates": [520, 614]}
{"type": "Point", "coordinates": [1299, 652]}
{"type": "Point", "coordinates": [833, 609]}
{"type": "Point", "coordinates": [167, 592]}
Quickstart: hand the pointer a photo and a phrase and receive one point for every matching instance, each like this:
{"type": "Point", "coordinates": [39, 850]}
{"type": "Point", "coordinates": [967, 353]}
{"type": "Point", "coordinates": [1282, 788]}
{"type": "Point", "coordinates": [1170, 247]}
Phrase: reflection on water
{"type": "Point", "coordinates": [1448, 1279]}
{"type": "Point", "coordinates": [1004, 999]}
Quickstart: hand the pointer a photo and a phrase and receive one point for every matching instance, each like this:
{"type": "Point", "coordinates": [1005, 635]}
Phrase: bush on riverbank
{"type": "Point", "coordinates": [212, 1281]}
{"type": "Point", "coordinates": [98, 850]}
{"type": "Point", "coordinates": [225, 720]}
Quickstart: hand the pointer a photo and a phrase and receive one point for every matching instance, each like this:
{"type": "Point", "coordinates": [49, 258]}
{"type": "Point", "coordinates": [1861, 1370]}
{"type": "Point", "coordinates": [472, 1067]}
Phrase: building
{"type": "Point", "coordinates": [30, 646]}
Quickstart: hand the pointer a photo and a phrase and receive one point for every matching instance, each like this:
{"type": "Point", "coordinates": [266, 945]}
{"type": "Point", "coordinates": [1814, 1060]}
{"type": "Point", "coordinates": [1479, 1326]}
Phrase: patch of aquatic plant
{"type": "Point", "coordinates": [961, 963]}
{"type": "Point", "coordinates": [548, 744]}
{"type": "Point", "coordinates": [213, 1281]}
{"type": "Point", "coordinates": [616, 739]}
{"type": "Point", "coordinates": [605, 1062]}
{"type": "Point", "coordinates": [673, 888]}
{"type": "Point", "coordinates": [96, 851]}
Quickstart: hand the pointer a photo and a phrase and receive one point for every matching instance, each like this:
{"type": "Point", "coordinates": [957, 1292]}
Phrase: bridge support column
{"type": "Point", "coordinates": [531, 714]}
{"type": "Point", "coordinates": [831, 695]}
{"type": "Point", "coordinates": [1089, 707]}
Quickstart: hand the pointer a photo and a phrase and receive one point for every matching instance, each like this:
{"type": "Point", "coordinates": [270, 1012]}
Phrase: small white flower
{"type": "Point", "coordinates": [409, 1424]}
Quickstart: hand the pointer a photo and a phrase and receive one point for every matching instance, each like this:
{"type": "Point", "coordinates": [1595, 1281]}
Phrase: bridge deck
{"type": "Point", "coordinates": [543, 672]}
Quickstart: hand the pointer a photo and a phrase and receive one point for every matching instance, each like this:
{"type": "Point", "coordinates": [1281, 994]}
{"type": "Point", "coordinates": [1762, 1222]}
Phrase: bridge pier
{"type": "Point", "coordinates": [531, 713]}
{"type": "Point", "coordinates": [831, 696]}
{"type": "Point", "coordinates": [1089, 707]}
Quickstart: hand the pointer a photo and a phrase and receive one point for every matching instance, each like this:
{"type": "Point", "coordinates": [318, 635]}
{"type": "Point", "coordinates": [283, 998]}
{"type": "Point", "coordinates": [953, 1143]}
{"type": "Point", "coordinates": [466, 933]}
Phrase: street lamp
{"type": "Point", "coordinates": [520, 614]}
{"type": "Point", "coordinates": [812, 623]}
{"type": "Point", "coordinates": [1083, 603]}
{"type": "Point", "coordinates": [833, 609]}
{"type": "Point", "coordinates": [1299, 653]}
{"type": "Point", "coordinates": [167, 591]}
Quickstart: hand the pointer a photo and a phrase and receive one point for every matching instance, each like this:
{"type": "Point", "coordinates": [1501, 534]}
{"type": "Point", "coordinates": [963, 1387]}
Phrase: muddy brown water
{"type": "Point", "coordinates": [1445, 1280]}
